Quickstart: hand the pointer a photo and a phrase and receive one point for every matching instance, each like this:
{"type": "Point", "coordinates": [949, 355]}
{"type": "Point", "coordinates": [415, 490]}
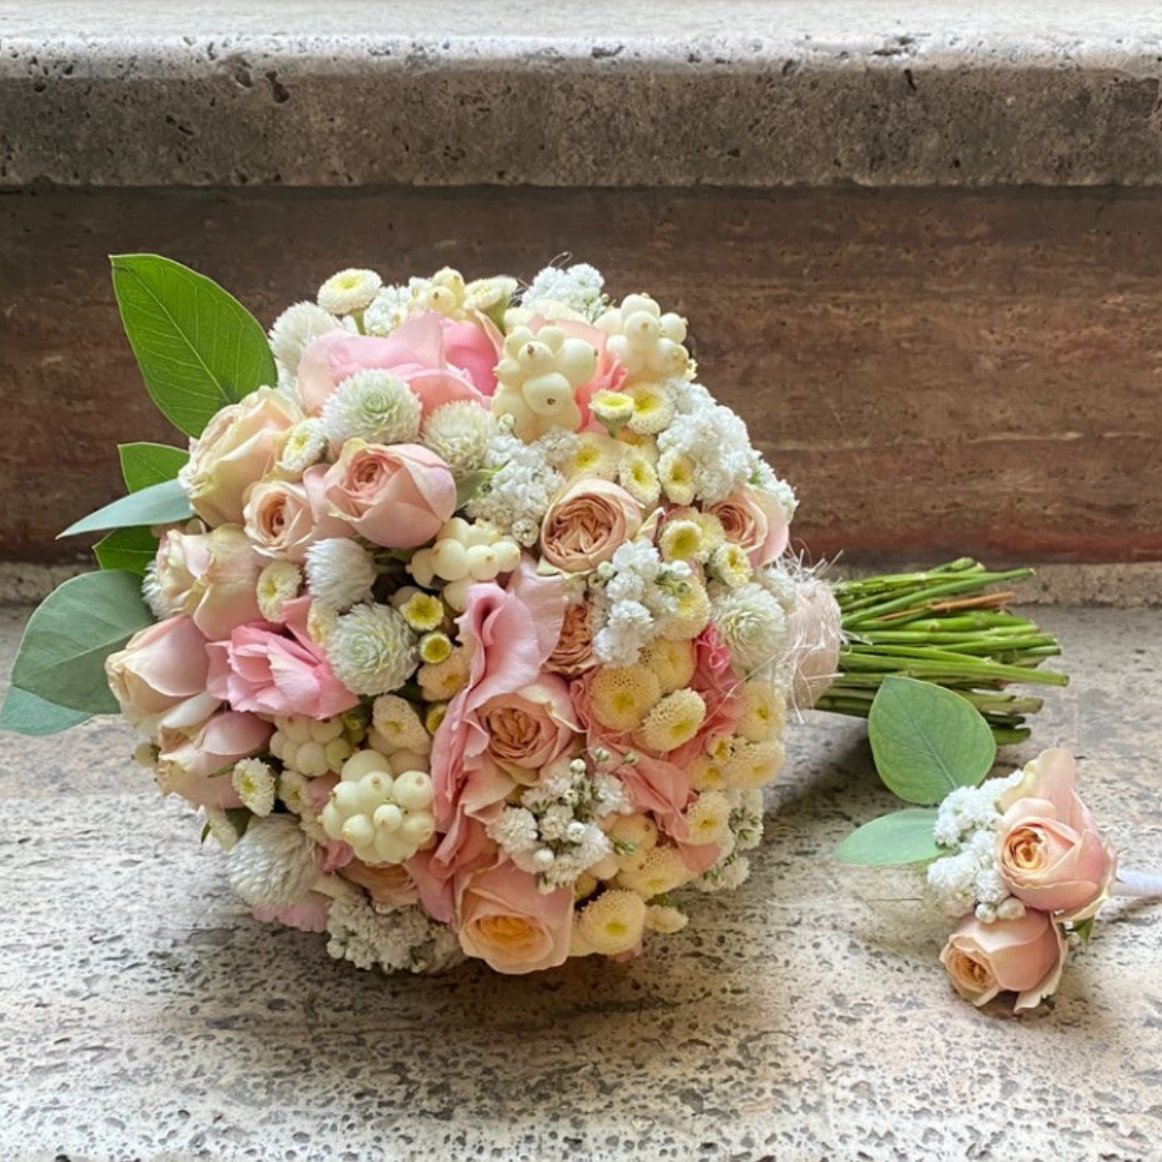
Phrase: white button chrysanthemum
{"type": "Point", "coordinates": [375, 406]}
{"type": "Point", "coordinates": [255, 783]}
{"type": "Point", "coordinates": [296, 328]}
{"type": "Point", "coordinates": [459, 433]}
{"type": "Point", "coordinates": [278, 583]}
{"type": "Point", "coordinates": [753, 625]}
{"type": "Point", "coordinates": [274, 864]}
{"type": "Point", "coordinates": [304, 445]}
{"type": "Point", "coordinates": [349, 290]}
{"type": "Point", "coordinates": [372, 650]}
{"type": "Point", "coordinates": [340, 572]}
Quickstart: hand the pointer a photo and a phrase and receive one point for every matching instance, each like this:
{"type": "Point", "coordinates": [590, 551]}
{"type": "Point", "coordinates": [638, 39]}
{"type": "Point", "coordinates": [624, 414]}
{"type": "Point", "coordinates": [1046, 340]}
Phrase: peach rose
{"type": "Point", "coordinates": [236, 450]}
{"type": "Point", "coordinates": [388, 883]}
{"type": "Point", "coordinates": [530, 728]}
{"type": "Point", "coordinates": [262, 670]}
{"type": "Point", "coordinates": [587, 523]}
{"type": "Point", "coordinates": [505, 921]}
{"type": "Point", "coordinates": [1022, 956]}
{"type": "Point", "coordinates": [195, 763]}
{"type": "Point", "coordinates": [396, 496]}
{"type": "Point", "coordinates": [441, 361]}
{"type": "Point", "coordinates": [1052, 855]}
{"type": "Point", "coordinates": [211, 576]}
{"type": "Point", "coordinates": [573, 654]}
{"type": "Point", "coordinates": [754, 519]}
{"type": "Point", "coordinates": [159, 678]}
{"type": "Point", "coordinates": [285, 519]}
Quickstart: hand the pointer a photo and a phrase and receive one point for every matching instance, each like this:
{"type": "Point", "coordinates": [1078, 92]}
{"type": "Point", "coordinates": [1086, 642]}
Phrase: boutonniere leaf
{"type": "Point", "coordinates": [902, 837]}
{"type": "Point", "coordinates": [927, 741]}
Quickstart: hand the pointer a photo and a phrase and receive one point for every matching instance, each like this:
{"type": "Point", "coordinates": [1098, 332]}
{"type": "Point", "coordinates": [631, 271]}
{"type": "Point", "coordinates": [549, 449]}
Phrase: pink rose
{"type": "Point", "coordinates": [505, 921]}
{"type": "Point", "coordinates": [396, 496]}
{"type": "Point", "coordinates": [441, 361]}
{"type": "Point", "coordinates": [159, 678]}
{"type": "Point", "coordinates": [1022, 956]}
{"type": "Point", "coordinates": [1052, 855]}
{"type": "Point", "coordinates": [815, 636]}
{"type": "Point", "coordinates": [529, 728]}
{"type": "Point", "coordinates": [195, 763]}
{"type": "Point", "coordinates": [262, 670]}
{"type": "Point", "coordinates": [587, 522]}
{"type": "Point", "coordinates": [211, 576]}
{"type": "Point", "coordinates": [754, 519]}
{"type": "Point", "coordinates": [510, 632]}
{"type": "Point", "coordinates": [237, 449]}
{"type": "Point", "coordinates": [285, 519]}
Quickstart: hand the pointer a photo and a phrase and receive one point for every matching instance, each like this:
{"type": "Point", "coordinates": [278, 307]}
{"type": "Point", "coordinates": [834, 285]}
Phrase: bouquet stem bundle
{"type": "Point", "coordinates": [948, 626]}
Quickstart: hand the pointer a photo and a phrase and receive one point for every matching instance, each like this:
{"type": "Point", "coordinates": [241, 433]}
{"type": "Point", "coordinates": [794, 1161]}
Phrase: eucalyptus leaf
{"type": "Point", "coordinates": [130, 549]}
{"type": "Point", "coordinates": [900, 838]}
{"type": "Point", "coordinates": [145, 464]}
{"type": "Point", "coordinates": [198, 347]}
{"type": "Point", "coordinates": [25, 713]}
{"type": "Point", "coordinates": [71, 633]}
{"type": "Point", "coordinates": [159, 504]}
{"type": "Point", "coordinates": [927, 741]}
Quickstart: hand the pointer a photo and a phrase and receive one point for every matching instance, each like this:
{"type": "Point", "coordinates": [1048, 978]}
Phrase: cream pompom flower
{"type": "Point", "coordinates": [375, 406]}
{"type": "Point", "coordinates": [753, 625]}
{"type": "Point", "coordinates": [372, 650]}
{"type": "Point", "coordinates": [296, 328]}
{"type": "Point", "coordinates": [274, 865]}
{"type": "Point", "coordinates": [340, 572]}
{"type": "Point", "coordinates": [460, 434]}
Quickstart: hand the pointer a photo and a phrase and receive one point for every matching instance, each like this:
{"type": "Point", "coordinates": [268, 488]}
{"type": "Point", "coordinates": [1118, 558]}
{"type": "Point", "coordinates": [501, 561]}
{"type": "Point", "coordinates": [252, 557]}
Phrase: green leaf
{"type": "Point", "coordinates": [927, 741]}
{"type": "Point", "coordinates": [67, 639]}
{"type": "Point", "coordinates": [145, 464]}
{"type": "Point", "coordinates": [129, 549]}
{"type": "Point", "coordinates": [198, 347]}
{"type": "Point", "coordinates": [902, 837]}
{"type": "Point", "coordinates": [25, 713]}
{"type": "Point", "coordinates": [159, 504]}
{"type": "Point", "coordinates": [468, 486]}
{"type": "Point", "coordinates": [239, 819]}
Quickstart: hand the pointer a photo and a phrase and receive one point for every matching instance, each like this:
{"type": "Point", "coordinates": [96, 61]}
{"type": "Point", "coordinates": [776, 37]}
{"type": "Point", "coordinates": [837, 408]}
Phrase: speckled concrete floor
{"type": "Point", "coordinates": [143, 1015]}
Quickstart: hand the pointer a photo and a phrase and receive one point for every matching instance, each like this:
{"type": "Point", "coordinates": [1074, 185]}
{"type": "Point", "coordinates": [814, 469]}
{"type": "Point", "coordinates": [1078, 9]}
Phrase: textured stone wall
{"type": "Point", "coordinates": [937, 371]}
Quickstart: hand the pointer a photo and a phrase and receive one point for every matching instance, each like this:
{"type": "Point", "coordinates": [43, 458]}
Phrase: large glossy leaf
{"type": "Point", "coordinates": [25, 713]}
{"type": "Point", "coordinates": [927, 741]}
{"type": "Point", "coordinates": [902, 837]}
{"type": "Point", "coordinates": [159, 504]}
{"type": "Point", "coordinates": [198, 347]}
{"type": "Point", "coordinates": [71, 633]}
{"type": "Point", "coordinates": [143, 465]}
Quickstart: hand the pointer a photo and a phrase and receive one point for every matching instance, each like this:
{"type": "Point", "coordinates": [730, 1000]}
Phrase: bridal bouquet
{"type": "Point", "coordinates": [465, 618]}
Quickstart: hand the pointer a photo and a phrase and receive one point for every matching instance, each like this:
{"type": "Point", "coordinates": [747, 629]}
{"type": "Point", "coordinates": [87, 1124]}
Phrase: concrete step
{"type": "Point", "coordinates": [145, 1015]}
{"type": "Point", "coordinates": [918, 247]}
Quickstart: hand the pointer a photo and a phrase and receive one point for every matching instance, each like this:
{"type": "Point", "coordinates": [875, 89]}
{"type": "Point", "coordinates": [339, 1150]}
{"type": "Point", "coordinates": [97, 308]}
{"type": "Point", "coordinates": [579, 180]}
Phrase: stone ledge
{"type": "Point", "coordinates": [738, 93]}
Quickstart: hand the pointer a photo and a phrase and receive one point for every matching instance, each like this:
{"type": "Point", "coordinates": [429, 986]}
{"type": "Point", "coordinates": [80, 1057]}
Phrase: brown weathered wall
{"type": "Point", "coordinates": [937, 371]}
